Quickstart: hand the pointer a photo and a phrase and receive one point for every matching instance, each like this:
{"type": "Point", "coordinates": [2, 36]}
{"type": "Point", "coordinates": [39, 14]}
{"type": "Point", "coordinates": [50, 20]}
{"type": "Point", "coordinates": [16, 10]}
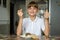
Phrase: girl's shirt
{"type": "Point", "coordinates": [34, 27]}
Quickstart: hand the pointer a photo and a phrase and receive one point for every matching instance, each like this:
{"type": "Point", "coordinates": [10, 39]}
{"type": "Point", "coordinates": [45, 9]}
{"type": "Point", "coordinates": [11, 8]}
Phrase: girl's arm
{"type": "Point", "coordinates": [19, 28]}
{"type": "Point", "coordinates": [47, 26]}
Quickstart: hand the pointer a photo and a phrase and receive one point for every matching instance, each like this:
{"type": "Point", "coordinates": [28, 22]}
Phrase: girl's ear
{"type": "Point", "coordinates": [37, 10]}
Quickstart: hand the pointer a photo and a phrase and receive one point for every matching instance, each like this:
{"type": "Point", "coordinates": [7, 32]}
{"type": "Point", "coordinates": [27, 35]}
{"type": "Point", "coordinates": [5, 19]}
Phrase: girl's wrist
{"type": "Point", "coordinates": [46, 18]}
{"type": "Point", "coordinates": [20, 17]}
{"type": "Point", "coordinates": [46, 36]}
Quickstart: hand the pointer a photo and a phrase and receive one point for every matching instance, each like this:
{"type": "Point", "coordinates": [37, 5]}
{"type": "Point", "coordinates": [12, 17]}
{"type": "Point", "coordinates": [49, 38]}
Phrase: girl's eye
{"type": "Point", "coordinates": [32, 8]}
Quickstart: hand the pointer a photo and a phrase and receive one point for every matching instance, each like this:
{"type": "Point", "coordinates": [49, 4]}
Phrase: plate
{"type": "Point", "coordinates": [23, 36]}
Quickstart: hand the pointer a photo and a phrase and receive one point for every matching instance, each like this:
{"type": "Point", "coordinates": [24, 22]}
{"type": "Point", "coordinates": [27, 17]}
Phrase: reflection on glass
{"type": "Point", "coordinates": [4, 3]}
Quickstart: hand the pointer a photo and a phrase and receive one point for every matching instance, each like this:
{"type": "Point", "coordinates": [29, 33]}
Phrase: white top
{"type": "Point", "coordinates": [33, 27]}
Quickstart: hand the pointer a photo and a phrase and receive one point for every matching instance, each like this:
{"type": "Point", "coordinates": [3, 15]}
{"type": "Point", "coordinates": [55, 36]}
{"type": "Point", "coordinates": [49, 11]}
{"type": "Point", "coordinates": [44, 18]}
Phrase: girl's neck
{"type": "Point", "coordinates": [32, 18]}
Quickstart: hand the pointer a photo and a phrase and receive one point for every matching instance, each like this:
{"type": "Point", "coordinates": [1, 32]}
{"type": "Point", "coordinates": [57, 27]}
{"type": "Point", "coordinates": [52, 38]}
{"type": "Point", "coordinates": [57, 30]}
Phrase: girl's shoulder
{"type": "Point", "coordinates": [25, 19]}
{"type": "Point", "coordinates": [40, 18]}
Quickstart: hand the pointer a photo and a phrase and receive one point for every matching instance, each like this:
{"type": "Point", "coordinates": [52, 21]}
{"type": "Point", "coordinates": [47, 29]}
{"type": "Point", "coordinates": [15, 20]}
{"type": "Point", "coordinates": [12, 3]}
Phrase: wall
{"type": "Point", "coordinates": [55, 18]}
{"type": "Point", "coordinates": [18, 5]}
{"type": "Point", "coordinates": [4, 18]}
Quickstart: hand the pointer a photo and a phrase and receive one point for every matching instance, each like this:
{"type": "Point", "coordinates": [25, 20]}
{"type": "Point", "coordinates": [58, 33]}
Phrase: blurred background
{"type": "Point", "coordinates": [9, 18]}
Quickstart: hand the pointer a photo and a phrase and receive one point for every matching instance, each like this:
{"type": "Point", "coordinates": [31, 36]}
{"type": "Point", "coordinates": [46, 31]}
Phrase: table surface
{"type": "Point", "coordinates": [14, 37]}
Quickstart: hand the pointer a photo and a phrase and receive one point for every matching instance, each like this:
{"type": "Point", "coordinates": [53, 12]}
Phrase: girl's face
{"type": "Point", "coordinates": [32, 11]}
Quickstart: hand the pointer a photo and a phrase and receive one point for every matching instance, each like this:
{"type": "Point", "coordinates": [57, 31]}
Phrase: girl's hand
{"type": "Point", "coordinates": [20, 13]}
{"type": "Point", "coordinates": [46, 14]}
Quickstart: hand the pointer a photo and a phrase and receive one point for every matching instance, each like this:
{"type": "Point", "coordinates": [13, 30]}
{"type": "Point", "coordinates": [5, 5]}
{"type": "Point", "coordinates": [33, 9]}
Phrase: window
{"type": "Point", "coordinates": [0, 2]}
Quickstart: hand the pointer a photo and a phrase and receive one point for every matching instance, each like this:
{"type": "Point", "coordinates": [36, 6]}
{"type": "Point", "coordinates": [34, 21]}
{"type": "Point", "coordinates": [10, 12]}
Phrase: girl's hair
{"type": "Point", "coordinates": [32, 4]}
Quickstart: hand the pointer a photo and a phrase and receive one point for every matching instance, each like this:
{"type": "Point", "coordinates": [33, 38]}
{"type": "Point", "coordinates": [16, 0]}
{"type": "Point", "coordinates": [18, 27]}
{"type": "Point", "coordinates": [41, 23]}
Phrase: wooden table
{"type": "Point", "coordinates": [14, 37]}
